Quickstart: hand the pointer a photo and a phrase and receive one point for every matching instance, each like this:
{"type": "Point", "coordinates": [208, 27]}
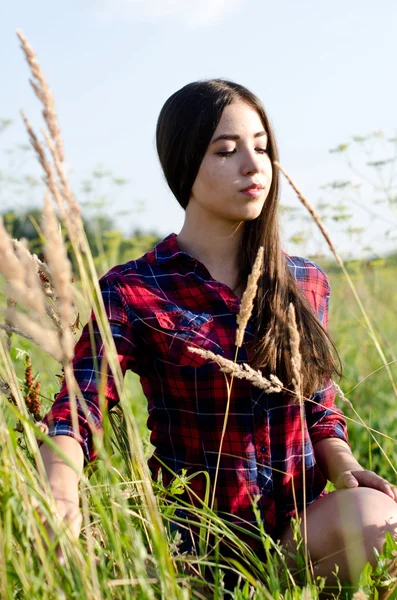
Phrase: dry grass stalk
{"type": "Point", "coordinates": [44, 336]}
{"type": "Point", "coordinates": [339, 259]}
{"type": "Point", "coordinates": [10, 329]}
{"type": "Point", "coordinates": [296, 363]}
{"type": "Point", "coordinates": [247, 301]}
{"type": "Point", "coordinates": [64, 196]}
{"type": "Point", "coordinates": [44, 280]}
{"type": "Point", "coordinates": [311, 210]}
{"type": "Point", "coordinates": [42, 269]}
{"type": "Point", "coordinates": [60, 268]}
{"type": "Point", "coordinates": [48, 170]}
{"type": "Point", "coordinates": [240, 371]}
{"type": "Point", "coordinates": [61, 192]}
{"type": "Point", "coordinates": [66, 190]}
{"type": "Point", "coordinates": [43, 93]}
{"type": "Point", "coordinates": [74, 221]}
{"type": "Point", "coordinates": [243, 371]}
{"type": "Point", "coordinates": [9, 263]}
{"type": "Point", "coordinates": [342, 395]}
{"type": "Point", "coordinates": [296, 359]}
{"type": "Point", "coordinates": [23, 284]}
{"type": "Point", "coordinates": [34, 297]}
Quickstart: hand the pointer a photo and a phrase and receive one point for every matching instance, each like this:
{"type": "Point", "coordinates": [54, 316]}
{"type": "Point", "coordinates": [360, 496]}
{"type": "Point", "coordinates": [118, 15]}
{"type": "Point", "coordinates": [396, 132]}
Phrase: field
{"type": "Point", "coordinates": [125, 549]}
{"type": "Point", "coordinates": [114, 531]}
{"type": "Point", "coordinates": [365, 380]}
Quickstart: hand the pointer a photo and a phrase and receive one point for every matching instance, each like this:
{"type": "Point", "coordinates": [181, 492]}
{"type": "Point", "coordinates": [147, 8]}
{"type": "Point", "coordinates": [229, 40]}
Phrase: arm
{"type": "Point", "coordinates": [342, 469]}
{"type": "Point", "coordinates": [324, 420]}
{"type": "Point", "coordinates": [327, 426]}
{"type": "Point", "coordinates": [64, 481]}
{"type": "Point", "coordinates": [87, 369]}
{"type": "Point", "coordinates": [79, 445]}
{"type": "Point", "coordinates": [335, 457]}
{"type": "Point", "coordinates": [62, 478]}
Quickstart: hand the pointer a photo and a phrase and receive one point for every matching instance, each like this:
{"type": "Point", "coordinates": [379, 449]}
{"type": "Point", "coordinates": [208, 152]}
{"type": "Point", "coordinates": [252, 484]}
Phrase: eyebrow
{"type": "Point", "coordinates": [230, 136]}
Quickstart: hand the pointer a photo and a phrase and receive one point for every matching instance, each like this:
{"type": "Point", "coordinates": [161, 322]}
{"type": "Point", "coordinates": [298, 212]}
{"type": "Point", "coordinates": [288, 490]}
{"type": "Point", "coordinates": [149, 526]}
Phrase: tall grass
{"type": "Point", "coordinates": [126, 548]}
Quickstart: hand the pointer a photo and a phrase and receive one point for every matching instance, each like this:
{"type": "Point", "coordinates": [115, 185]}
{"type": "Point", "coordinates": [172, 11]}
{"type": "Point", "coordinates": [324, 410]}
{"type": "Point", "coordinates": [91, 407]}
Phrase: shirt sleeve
{"type": "Point", "coordinates": [87, 361]}
{"type": "Point", "coordinates": [324, 419]}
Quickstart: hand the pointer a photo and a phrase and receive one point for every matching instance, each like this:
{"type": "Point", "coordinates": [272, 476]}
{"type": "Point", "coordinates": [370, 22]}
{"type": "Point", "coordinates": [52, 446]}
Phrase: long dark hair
{"type": "Point", "coordinates": [185, 127]}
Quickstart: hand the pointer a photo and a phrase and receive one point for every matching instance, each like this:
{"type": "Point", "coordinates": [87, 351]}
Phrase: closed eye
{"type": "Point", "coordinates": [226, 153]}
{"type": "Point", "coordinates": [230, 152]}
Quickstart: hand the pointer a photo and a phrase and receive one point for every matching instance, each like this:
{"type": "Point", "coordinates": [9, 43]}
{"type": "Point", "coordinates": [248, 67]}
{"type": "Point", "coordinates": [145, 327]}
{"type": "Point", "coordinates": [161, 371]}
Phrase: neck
{"type": "Point", "coordinates": [215, 243]}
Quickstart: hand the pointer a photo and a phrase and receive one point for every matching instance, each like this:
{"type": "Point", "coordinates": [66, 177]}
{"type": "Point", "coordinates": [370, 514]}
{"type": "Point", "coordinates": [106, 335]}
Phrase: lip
{"type": "Point", "coordinates": [253, 191]}
{"type": "Point", "coordinates": [253, 186]}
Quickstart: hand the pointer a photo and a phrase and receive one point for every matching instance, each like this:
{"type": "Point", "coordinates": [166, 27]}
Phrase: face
{"type": "Point", "coordinates": [236, 172]}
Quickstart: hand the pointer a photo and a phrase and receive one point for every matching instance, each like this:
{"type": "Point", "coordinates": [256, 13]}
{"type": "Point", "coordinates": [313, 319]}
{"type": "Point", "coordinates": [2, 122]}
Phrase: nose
{"type": "Point", "coordinates": [250, 164]}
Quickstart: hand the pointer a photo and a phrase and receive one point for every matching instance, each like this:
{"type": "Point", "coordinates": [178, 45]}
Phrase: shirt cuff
{"type": "Point", "coordinates": [332, 424]}
{"type": "Point", "coordinates": [62, 428]}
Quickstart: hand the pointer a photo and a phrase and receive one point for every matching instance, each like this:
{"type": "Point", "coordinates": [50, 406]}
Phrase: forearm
{"type": "Point", "coordinates": [334, 456]}
{"type": "Point", "coordinates": [63, 479]}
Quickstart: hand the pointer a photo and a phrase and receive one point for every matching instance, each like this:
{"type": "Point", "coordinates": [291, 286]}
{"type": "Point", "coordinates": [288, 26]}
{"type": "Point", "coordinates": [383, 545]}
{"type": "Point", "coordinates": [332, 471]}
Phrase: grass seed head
{"type": "Point", "coordinates": [43, 92]}
{"type": "Point", "coordinates": [243, 371]}
{"type": "Point", "coordinates": [247, 301]}
{"type": "Point", "coordinates": [61, 273]}
{"type": "Point", "coordinates": [296, 359]}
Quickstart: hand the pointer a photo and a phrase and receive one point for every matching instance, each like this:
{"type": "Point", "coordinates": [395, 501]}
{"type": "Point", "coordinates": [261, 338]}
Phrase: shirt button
{"type": "Point", "coordinates": [262, 449]}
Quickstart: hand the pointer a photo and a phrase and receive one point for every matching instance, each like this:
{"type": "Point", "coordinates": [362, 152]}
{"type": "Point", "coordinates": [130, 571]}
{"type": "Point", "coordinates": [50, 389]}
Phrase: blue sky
{"type": "Point", "coordinates": [324, 70]}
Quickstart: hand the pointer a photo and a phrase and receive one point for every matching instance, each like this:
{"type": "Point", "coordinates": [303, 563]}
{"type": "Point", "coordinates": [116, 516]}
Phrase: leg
{"type": "Point", "coordinates": [343, 528]}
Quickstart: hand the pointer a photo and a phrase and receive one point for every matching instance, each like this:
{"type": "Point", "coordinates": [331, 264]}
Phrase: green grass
{"type": "Point", "coordinates": [115, 557]}
{"type": "Point", "coordinates": [365, 378]}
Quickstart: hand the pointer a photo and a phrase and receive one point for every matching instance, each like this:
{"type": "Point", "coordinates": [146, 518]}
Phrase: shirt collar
{"type": "Point", "coordinates": [168, 251]}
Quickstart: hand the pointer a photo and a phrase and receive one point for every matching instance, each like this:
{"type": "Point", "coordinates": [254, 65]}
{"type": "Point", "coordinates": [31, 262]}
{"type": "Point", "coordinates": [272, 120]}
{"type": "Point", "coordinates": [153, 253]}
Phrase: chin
{"type": "Point", "coordinates": [250, 214]}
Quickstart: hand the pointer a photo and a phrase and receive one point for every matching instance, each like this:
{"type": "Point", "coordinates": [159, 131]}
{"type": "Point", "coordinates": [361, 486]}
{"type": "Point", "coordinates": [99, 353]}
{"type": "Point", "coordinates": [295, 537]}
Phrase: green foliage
{"type": "Point", "coordinates": [115, 531]}
{"type": "Point", "coordinates": [25, 225]}
{"type": "Point", "coordinates": [108, 246]}
{"type": "Point", "coordinates": [365, 379]}
{"type": "Point", "coordinates": [352, 204]}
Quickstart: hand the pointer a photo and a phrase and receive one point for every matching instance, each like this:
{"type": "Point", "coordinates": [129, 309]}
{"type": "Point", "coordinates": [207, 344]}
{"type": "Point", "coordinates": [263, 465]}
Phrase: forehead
{"type": "Point", "coordinates": [239, 117]}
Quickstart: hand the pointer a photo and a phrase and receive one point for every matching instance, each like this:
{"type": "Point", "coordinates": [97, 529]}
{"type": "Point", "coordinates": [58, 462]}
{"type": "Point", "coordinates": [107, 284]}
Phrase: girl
{"type": "Point", "coordinates": [216, 147]}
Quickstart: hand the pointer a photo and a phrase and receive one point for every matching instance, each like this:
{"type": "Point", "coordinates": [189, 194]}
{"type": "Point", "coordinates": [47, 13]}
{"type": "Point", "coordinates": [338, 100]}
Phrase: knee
{"type": "Point", "coordinates": [366, 516]}
{"type": "Point", "coordinates": [385, 519]}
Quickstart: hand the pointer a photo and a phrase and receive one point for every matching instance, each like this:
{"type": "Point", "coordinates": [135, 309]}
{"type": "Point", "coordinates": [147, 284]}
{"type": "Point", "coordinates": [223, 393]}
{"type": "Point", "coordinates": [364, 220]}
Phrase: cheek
{"type": "Point", "coordinates": [270, 179]}
{"type": "Point", "coordinates": [208, 181]}
{"type": "Point", "coordinates": [268, 172]}
{"type": "Point", "coordinates": [268, 166]}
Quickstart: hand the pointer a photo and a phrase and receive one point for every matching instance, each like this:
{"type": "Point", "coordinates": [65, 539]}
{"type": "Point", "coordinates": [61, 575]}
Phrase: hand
{"type": "Point", "coordinates": [67, 514]}
{"type": "Point", "coordinates": [363, 478]}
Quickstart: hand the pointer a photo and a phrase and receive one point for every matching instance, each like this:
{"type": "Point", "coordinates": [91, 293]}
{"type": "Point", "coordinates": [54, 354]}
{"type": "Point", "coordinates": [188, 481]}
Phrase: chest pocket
{"type": "Point", "coordinates": [178, 329]}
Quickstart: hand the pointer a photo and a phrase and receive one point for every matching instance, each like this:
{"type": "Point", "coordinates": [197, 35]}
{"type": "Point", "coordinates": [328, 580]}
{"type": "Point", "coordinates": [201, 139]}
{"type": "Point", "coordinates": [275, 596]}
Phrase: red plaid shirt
{"type": "Point", "coordinates": [157, 306]}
